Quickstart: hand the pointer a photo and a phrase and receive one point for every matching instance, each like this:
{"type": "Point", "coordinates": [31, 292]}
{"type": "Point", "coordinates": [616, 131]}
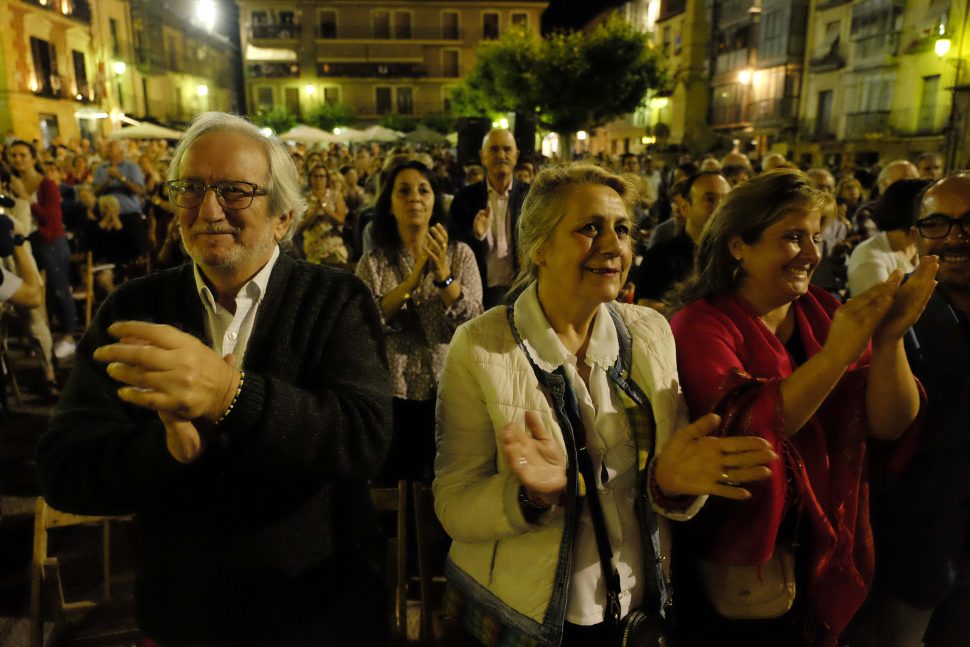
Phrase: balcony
{"type": "Point", "coordinates": [371, 70]}
{"type": "Point", "coordinates": [368, 32]}
{"type": "Point", "coordinates": [272, 70]}
{"type": "Point", "coordinates": [772, 112]}
{"type": "Point", "coordinates": [731, 114]}
{"type": "Point", "coordinates": [77, 9]}
{"type": "Point", "coordinates": [274, 31]}
{"type": "Point", "coordinates": [50, 86]}
{"type": "Point", "coordinates": [865, 124]}
{"type": "Point", "coordinates": [827, 61]}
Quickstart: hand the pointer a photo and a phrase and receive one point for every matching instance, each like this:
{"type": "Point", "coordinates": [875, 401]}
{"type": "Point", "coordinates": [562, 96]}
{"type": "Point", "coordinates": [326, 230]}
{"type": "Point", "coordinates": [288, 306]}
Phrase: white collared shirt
{"type": "Point", "coordinates": [499, 262]}
{"type": "Point", "coordinates": [612, 450]}
{"type": "Point", "coordinates": [228, 332]}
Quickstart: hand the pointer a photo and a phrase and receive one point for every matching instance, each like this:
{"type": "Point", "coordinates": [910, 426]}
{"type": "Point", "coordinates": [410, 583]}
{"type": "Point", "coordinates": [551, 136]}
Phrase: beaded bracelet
{"type": "Point", "coordinates": [242, 378]}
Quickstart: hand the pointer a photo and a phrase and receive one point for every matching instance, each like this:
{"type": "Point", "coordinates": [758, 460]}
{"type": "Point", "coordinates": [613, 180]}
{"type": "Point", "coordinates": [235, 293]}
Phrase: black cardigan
{"type": "Point", "coordinates": [270, 529]}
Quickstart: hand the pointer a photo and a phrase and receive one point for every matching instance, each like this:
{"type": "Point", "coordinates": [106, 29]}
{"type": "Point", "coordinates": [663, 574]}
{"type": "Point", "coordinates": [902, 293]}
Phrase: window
{"type": "Point", "coordinates": [259, 18]}
{"type": "Point", "coordinates": [292, 100]}
{"type": "Point", "coordinates": [823, 114]}
{"type": "Point", "coordinates": [328, 24]}
{"type": "Point", "coordinates": [382, 24]}
{"type": "Point", "coordinates": [490, 26]}
{"type": "Point", "coordinates": [80, 73]}
{"type": "Point", "coordinates": [449, 25]}
{"type": "Point", "coordinates": [383, 95]}
{"type": "Point", "coordinates": [520, 20]}
{"type": "Point", "coordinates": [402, 25]}
{"type": "Point", "coordinates": [666, 42]}
{"type": "Point", "coordinates": [449, 63]}
{"type": "Point", "coordinates": [929, 104]}
{"type": "Point", "coordinates": [264, 97]}
{"type": "Point", "coordinates": [115, 45]}
{"type": "Point", "coordinates": [774, 34]}
{"type": "Point", "coordinates": [172, 54]}
{"type": "Point", "coordinates": [405, 101]}
{"type": "Point", "coordinates": [331, 95]}
{"type": "Point", "coordinates": [287, 18]}
{"type": "Point", "coordinates": [45, 67]}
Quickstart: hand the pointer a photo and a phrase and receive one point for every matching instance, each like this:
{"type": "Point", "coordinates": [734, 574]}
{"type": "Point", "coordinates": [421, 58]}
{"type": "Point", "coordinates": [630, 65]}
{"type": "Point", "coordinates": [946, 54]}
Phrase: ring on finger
{"type": "Point", "coordinates": [522, 462]}
{"type": "Point", "coordinates": [726, 480]}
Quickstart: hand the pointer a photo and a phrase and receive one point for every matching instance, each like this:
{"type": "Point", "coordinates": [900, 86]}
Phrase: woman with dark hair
{"type": "Point", "coordinates": [780, 359]}
{"type": "Point", "coordinates": [326, 239]}
{"type": "Point", "coordinates": [894, 247]}
{"type": "Point", "coordinates": [48, 239]}
{"type": "Point", "coordinates": [425, 286]}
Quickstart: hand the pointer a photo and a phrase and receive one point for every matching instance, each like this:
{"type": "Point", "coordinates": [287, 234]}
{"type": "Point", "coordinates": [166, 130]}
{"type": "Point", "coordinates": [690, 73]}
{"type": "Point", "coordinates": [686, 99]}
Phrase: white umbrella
{"type": "Point", "coordinates": [381, 134]}
{"type": "Point", "coordinates": [145, 130]}
{"type": "Point", "coordinates": [424, 135]}
{"type": "Point", "coordinates": [352, 135]}
{"type": "Point", "coordinates": [309, 134]}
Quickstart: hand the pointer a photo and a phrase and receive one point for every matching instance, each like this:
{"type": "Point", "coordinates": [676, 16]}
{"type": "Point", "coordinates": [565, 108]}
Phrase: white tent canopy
{"type": "Point", "coordinates": [145, 130]}
{"type": "Point", "coordinates": [309, 135]}
{"type": "Point", "coordinates": [424, 135]}
{"type": "Point", "coordinates": [380, 134]}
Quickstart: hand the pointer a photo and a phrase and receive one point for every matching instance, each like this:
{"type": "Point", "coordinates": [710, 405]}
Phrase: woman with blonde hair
{"type": "Point", "coordinates": [560, 423]}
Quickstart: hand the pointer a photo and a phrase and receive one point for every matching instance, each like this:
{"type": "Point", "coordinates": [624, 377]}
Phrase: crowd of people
{"type": "Point", "coordinates": [622, 378]}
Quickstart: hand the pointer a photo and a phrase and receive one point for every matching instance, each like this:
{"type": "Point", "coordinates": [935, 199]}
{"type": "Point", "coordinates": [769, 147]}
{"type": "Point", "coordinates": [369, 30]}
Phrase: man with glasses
{"type": "Point", "coordinates": [237, 406]}
{"type": "Point", "coordinates": [921, 517]}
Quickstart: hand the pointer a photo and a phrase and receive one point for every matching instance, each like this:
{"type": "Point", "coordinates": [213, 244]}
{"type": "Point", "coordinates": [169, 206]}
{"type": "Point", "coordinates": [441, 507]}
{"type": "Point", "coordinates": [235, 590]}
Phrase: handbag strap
{"type": "Point", "coordinates": [612, 612]}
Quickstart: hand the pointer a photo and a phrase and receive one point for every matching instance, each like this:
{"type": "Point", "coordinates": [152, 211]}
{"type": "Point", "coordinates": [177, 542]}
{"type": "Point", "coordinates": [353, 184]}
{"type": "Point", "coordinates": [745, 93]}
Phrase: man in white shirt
{"type": "Point", "coordinates": [485, 215]}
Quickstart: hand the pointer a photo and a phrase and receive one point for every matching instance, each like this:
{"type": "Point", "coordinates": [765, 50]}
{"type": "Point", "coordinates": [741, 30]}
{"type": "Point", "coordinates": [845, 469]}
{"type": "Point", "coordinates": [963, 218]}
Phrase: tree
{"type": "Point", "coordinates": [441, 122]}
{"type": "Point", "coordinates": [279, 118]}
{"type": "Point", "coordinates": [328, 116]}
{"type": "Point", "coordinates": [395, 121]}
{"type": "Point", "coordinates": [570, 80]}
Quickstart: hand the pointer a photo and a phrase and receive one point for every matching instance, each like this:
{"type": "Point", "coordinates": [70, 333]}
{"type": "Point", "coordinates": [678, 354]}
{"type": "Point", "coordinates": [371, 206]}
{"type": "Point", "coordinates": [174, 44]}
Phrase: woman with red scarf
{"type": "Point", "coordinates": [780, 359]}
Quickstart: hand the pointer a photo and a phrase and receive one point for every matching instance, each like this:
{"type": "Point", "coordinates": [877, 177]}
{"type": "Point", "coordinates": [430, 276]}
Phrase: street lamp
{"type": "Point", "coordinates": [744, 76]}
{"type": "Point", "coordinates": [119, 68]}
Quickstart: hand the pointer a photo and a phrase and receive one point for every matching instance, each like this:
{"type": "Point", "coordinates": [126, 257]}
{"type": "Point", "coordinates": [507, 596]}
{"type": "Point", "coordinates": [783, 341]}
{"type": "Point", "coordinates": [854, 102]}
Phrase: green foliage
{"type": "Point", "coordinates": [441, 122]}
{"type": "Point", "coordinates": [571, 80]}
{"type": "Point", "coordinates": [279, 118]}
{"type": "Point", "coordinates": [328, 116]}
{"type": "Point", "coordinates": [395, 121]}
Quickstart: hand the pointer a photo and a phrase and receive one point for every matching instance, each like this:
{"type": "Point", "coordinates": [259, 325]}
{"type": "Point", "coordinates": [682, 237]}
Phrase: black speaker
{"type": "Point", "coordinates": [525, 135]}
{"type": "Point", "coordinates": [471, 132]}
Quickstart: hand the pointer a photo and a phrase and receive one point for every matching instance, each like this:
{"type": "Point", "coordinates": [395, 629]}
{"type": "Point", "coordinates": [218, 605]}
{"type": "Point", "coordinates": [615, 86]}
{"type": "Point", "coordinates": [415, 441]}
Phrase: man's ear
{"type": "Point", "coordinates": [283, 223]}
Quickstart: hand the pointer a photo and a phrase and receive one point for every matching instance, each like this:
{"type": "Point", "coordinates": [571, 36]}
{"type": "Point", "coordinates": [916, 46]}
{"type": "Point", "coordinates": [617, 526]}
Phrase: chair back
{"type": "Point", "coordinates": [395, 500]}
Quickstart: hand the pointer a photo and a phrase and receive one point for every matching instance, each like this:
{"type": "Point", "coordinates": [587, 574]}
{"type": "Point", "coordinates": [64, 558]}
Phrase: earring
{"type": "Point", "coordinates": [737, 270]}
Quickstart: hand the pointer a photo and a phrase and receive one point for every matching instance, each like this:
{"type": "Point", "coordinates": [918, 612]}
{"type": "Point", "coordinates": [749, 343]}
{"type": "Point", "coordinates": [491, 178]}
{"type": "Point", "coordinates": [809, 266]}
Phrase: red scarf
{"type": "Point", "coordinates": [731, 363]}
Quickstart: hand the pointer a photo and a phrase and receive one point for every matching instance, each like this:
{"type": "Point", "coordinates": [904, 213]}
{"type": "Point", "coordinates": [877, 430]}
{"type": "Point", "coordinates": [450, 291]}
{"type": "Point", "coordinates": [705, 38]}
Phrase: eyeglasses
{"type": "Point", "coordinates": [940, 226]}
{"type": "Point", "coordinates": [236, 194]}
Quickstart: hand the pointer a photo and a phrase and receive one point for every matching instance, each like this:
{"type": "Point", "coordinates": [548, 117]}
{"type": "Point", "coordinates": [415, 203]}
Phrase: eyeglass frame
{"type": "Point", "coordinates": [257, 190]}
{"type": "Point", "coordinates": [963, 222]}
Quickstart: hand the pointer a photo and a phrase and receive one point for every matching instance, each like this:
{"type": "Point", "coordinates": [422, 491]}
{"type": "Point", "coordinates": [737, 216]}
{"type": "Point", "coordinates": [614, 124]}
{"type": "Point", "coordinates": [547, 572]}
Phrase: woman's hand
{"type": "Point", "coordinates": [536, 459]}
{"type": "Point", "coordinates": [436, 244]}
{"type": "Point", "coordinates": [693, 462]}
{"type": "Point", "coordinates": [854, 323]}
{"type": "Point", "coordinates": [909, 302]}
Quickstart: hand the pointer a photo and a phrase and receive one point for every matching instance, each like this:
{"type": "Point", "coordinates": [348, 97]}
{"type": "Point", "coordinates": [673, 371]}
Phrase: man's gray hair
{"type": "Point", "coordinates": [498, 130]}
{"type": "Point", "coordinates": [285, 189]}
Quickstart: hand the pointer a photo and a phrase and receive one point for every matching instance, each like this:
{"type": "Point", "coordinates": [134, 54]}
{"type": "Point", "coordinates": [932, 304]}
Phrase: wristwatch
{"type": "Point", "coordinates": [18, 240]}
{"type": "Point", "coordinates": [443, 284]}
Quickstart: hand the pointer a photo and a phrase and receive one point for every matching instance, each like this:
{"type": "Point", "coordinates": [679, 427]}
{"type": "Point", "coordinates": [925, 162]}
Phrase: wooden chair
{"type": "Point", "coordinates": [84, 292]}
{"type": "Point", "coordinates": [433, 543]}
{"type": "Point", "coordinates": [106, 621]}
{"type": "Point", "coordinates": [395, 500]}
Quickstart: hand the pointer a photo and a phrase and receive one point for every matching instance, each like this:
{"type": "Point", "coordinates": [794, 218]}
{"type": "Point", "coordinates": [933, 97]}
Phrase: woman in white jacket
{"type": "Point", "coordinates": [521, 385]}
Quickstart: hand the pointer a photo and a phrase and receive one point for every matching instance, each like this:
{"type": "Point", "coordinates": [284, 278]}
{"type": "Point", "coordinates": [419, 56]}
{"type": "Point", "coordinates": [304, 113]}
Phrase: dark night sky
{"type": "Point", "coordinates": [573, 13]}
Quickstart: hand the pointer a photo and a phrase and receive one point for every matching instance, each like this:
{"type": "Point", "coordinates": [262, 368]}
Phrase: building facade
{"type": "Point", "coordinates": [48, 68]}
{"type": "Point", "coordinates": [877, 88]}
{"type": "Point", "coordinates": [74, 68]}
{"type": "Point", "coordinates": [182, 67]}
{"type": "Point", "coordinates": [376, 56]}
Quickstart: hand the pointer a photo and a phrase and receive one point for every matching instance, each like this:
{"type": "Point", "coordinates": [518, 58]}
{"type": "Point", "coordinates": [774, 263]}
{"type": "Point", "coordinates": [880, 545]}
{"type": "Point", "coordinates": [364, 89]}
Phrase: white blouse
{"type": "Point", "coordinates": [613, 453]}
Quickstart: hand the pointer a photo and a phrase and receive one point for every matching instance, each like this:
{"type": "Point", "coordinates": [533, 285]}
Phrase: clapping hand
{"type": "Point", "coordinates": [167, 370]}
{"type": "Point", "coordinates": [909, 301]}
{"type": "Point", "coordinates": [693, 462]}
{"type": "Point", "coordinates": [482, 221]}
{"type": "Point", "coordinates": [436, 245]}
{"type": "Point", "coordinates": [536, 459]}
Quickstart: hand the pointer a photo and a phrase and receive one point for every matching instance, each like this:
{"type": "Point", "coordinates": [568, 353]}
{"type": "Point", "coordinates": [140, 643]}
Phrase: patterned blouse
{"type": "Point", "coordinates": [418, 335]}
